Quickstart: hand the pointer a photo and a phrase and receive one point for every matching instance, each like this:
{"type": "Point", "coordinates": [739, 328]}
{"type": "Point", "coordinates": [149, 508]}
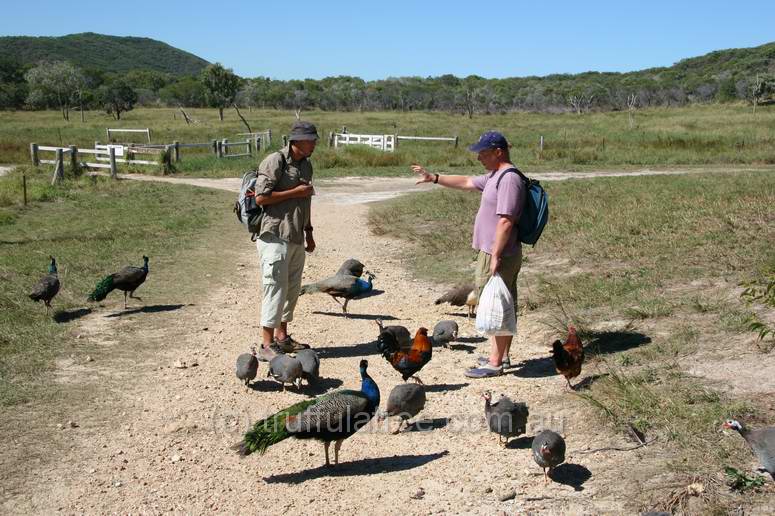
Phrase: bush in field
{"type": "Point", "coordinates": [221, 86]}
{"type": "Point", "coordinates": [57, 84]}
{"type": "Point", "coordinates": [116, 98]}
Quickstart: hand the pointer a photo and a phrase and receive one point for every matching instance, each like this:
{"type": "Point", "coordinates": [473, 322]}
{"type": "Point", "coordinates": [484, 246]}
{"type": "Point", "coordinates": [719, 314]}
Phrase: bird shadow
{"type": "Point", "coordinates": [366, 317]}
{"type": "Point", "coordinates": [354, 350]}
{"type": "Point", "coordinates": [471, 340]}
{"type": "Point", "coordinates": [64, 316]}
{"type": "Point", "coordinates": [267, 386]}
{"type": "Point", "coordinates": [358, 468]}
{"type": "Point", "coordinates": [607, 342]}
{"type": "Point", "coordinates": [427, 425]}
{"type": "Point", "coordinates": [536, 368]}
{"type": "Point", "coordinates": [520, 443]}
{"type": "Point", "coordinates": [587, 382]}
{"type": "Point", "coordinates": [461, 347]}
{"type": "Point", "coordinates": [462, 315]}
{"type": "Point", "coordinates": [152, 309]}
{"type": "Point", "coordinates": [445, 387]}
{"type": "Point", "coordinates": [573, 475]}
{"type": "Point", "coordinates": [321, 386]}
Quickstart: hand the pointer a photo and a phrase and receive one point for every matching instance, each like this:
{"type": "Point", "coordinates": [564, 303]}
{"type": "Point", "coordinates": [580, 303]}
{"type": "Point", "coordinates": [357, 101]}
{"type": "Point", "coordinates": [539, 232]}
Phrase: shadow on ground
{"type": "Point", "coordinates": [151, 309]}
{"type": "Point", "coordinates": [353, 350]}
{"type": "Point", "coordinates": [357, 467]}
{"type": "Point", "coordinates": [573, 475]}
{"type": "Point", "coordinates": [65, 316]}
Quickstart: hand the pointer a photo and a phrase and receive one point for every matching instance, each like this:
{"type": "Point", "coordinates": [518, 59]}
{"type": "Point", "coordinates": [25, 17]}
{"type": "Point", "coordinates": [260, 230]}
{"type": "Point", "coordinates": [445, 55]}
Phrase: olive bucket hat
{"type": "Point", "coordinates": [303, 131]}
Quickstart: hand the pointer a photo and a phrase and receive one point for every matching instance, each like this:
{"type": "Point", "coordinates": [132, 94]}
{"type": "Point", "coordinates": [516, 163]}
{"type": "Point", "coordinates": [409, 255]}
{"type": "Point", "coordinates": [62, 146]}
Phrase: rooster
{"type": "Point", "coordinates": [408, 363]}
{"type": "Point", "coordinates": [568, 356]}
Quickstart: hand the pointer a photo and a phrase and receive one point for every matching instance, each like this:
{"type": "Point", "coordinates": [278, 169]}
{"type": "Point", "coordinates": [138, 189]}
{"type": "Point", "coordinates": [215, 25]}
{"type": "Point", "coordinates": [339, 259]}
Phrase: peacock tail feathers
{"type": "Point", "coordinates": [271, 430]}
{"type": "Point", "coordinates": [103, 288]}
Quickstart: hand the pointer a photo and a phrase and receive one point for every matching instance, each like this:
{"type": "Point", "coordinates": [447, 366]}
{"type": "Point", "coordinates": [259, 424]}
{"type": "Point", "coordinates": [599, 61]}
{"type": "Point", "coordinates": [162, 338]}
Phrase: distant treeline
{"type": "Point", "coordinates": [722, 76]}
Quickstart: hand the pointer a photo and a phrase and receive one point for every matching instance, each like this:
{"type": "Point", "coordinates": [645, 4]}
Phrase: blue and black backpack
{"type": "Point", "coordinates": [535, 214]}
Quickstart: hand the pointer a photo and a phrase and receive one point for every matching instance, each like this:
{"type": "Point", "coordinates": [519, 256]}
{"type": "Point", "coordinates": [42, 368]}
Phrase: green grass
{"type": "Point", "coordinates": [93, 226]}
{"type": "Point", "coordinates": [723, 135]}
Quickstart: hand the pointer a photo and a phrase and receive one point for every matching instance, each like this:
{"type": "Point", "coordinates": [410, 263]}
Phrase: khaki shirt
{"type": "Point", "coordinates": [286, 219]}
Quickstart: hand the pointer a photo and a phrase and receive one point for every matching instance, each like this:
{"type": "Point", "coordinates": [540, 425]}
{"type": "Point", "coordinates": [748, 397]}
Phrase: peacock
{"type": "Point", "coordinates": [342, 286]}
{"type": "Point", "coordinates": [48, 286]}
{"type": "Point", "coordinates": [351, 267]}
{"type": "Point", "coordinates": [127, 279]}
{"type": "Point", "coordinates": [329, 418]}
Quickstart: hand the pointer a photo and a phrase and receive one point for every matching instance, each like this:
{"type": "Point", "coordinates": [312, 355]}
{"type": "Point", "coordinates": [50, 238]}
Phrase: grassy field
{"type": "Point", "coordinates": [648, 268]}
{"type": "Point", "coordinates": [724, 135]}
{"type": "Point", "coordinates": [93, 226]}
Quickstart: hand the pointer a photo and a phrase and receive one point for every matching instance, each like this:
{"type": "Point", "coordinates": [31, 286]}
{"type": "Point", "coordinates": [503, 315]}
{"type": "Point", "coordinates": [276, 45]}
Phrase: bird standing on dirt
{"type": "Point", "coordinates": [399, 333]}
{"type": "Point", "coordinates": [310, 365]}
{"type": "Point", "coordinates": [405, 401]}
{"type": "Point", "coordinates": [247, 366]}
{"type": "Point", "coordinates": [548, 451]}
{"type": "Point", "coordinates": [127, 279]}
{"type": "Point", "coordinates": [342, 286]}
{"type": "Point", "coordinates": [351, 267]}
{"type": "Point", "coordinates": [461, 295]}
{"type": "Point", "coordinates": [286, 369]}
{"type": "Point", "coordinates": [445, 332]}
{"type": "Point", "coordinates": [408, 363]}
{"type": "Point", "coordinates": [329, 418]}
{"type": "Point", "coordinates": [568, 356]}
{"type": "Point", "coordinates": [47, 287]}
{"type": "Point", "coordinates": [761, 441]}
{"type": "Point", "coordinates": [504, 417]}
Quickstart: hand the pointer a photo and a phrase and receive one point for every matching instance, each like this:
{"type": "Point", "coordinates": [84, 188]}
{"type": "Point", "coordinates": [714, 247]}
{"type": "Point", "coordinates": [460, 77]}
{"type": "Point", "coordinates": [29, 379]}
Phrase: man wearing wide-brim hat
{"type": "Point", "coordinates": [284, 189]}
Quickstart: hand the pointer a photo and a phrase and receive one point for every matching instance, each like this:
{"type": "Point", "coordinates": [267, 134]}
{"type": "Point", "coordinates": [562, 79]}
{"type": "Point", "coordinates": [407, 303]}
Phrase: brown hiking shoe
{"type": "Point", "coordinates": [266, 354]}
{"type": "Point", "coordinates": [288, 345]}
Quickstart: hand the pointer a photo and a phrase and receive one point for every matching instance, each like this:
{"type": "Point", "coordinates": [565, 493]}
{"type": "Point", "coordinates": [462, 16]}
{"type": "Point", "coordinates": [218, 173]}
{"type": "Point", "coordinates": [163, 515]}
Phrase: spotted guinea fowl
{"type": "Point", "coordinates": [310, 365]}
{"type": "Point", "coordinates": [342, 286]}
{"type": "Point", "coordinates": [127, 279]}
{"type": "Point", "coordinates": [247, 366]}
{"type": "Point", "coordinates": [548, 451]}
{"type": "Point", "coordinates": [405, 401]}
{"type": "Point", "coordinates": [445, 332]}
{"type": "Point", "coordinates": [399, 333]}
{"type": "Point", "coordinates": [286, 369]}
{"type": "Point", "coordinates": [761, 441]}
{"type": "Point", "coordinates": [47, 287]}
{"type": "Point", "coordinates": [504, 417]}
{"type": "Point", "coordinates": [568, 356]}
{"type": "Point", "coordinates": [329, 418]}
{"type": "Point", "coordinates": [408, 363]}
{"type": "Point", "coordinates": [461, 295]}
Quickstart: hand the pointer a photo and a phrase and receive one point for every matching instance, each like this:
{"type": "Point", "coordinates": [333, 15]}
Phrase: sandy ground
{"type": "Point", "coordinates": [167, 448]}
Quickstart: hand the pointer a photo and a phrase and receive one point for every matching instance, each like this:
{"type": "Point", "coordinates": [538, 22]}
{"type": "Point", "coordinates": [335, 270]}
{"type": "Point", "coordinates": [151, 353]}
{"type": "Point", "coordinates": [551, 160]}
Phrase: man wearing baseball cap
{"type": "Point", "coordinates": [284, 189]}
{"type": "Point", "coordinates": [495, 229]}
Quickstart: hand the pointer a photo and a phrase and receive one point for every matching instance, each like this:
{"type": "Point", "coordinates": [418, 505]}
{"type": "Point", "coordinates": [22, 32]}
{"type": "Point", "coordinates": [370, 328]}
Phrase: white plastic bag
{"type": "Point", "coordinates": [495, 314]}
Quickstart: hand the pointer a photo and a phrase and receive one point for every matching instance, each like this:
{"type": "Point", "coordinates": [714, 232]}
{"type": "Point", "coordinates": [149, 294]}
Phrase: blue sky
{"type": "Point", "coordinates": [296, 40]}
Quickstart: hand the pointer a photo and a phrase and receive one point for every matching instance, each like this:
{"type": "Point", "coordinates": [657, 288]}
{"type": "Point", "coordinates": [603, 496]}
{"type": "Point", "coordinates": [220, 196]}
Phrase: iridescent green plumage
{"type": "Point", "coordinates": [103, 288]}
{"type": "Point", "coordinates": [271, 430]}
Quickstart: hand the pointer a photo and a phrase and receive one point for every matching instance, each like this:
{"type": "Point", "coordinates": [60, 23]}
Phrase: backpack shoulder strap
{"type": "Point", "coordinates": [511, 169]}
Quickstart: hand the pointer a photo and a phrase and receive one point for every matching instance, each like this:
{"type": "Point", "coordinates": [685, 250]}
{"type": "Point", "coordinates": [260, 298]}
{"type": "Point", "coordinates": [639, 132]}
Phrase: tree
{"type": "Point", "coordinates": [761, 89]}
{"type": "Point", "coordinates": [13, 89]}
{"type": "Point", "coordinates": [117, 97]}
{"type": "Point", "coordinates": [55, 84]}
{"type": "Point", "coordinates": [187, 91]}
{"type": "Point", "coordinates": [221, 86]}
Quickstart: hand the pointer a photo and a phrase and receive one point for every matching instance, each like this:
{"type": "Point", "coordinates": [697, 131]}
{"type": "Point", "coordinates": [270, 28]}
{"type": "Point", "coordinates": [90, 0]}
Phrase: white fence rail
{"type": "Point", "coordinates": [384, 142]}
{"type": "Point", "coordinates": [453, 139]}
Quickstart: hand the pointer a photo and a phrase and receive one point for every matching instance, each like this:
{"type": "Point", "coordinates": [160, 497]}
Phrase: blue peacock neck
{"type": "Point", "coordinates": [370, 389]}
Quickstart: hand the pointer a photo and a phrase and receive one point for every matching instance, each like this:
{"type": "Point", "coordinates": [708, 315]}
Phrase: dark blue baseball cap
{"type": "Point", "coordinates": [490, 140]}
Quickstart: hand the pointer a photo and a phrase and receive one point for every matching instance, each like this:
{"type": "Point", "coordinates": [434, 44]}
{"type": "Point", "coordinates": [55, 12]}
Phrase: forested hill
{"type": "Point", "coordinates": [100, 52]}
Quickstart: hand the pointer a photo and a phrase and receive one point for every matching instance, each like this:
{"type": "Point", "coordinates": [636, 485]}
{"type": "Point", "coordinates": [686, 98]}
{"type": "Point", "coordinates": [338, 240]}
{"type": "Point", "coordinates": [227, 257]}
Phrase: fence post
{"type": "Point", "coordinates": [176, 146]}
{"type": "Point", "coordinates": [225, 146]}
{"type": "Point", "coordinates": [257, 142]}
{"type": "Point", "coordinates": [285, 140]}
{"type": "Point", "coordinates": [457, 141]}
{"type": "Point", "coordinates": [344, 129]}
{"type": "Point", "coordinates": [96, 143]}
{"type": "Point", "coordinates": [268, 138]}
{"type": "Point", "coordinates": [250, 146]}
{"type": "Point", "coordinates": [34, 154]}
{"type": "Point", "coordinates": [74, 158]}
{"type": "Point", "coordinates": [24, 187]}
{"type": "Point", "coordinates": [59, 167]}
{"type": "Point", "coordinates": [148, 132]}
{"type": "Point", "coordinates": [219, 147]}
{"type": "Point", "coordinates": [167, 161]}
{"type": "Point", "coordinates": [108, 132]}
{"type": "Point", "coordinates": [113, 168]}
{"type": "Point", "coordinates": [330, 138]}
{"type": "Point", "coordinates": [215, 147]}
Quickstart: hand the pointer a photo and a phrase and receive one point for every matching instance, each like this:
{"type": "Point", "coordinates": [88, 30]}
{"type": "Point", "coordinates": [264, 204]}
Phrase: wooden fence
{"type": "Point", "coordinates": [384, 142]}
{"type": "Point", "coordinates": [453, 139]}
{"type": "Point", "coordinates": [110, 153]}
{"type": "Point", "coordinates": [260, 139]}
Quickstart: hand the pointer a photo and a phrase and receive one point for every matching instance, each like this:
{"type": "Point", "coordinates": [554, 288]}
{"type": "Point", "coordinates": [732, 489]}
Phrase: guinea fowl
{"type": "Point", "coordinates": [761, 441]}
{"type": "Point", "coordinates": [286, 369]}
{"type": "Point", "coordinates": [127, 279]}
{"type": "Point", "coordinates": [399, 333]}
{"type": "Point", "coordinates": [461, 295]}
{"type": "Point", "coordinates": [47, 287]}
{"type": "Point", "coordinates": [568, 356]}
{"type": "Point", "coordinates": [342, 286]}
{"type": "Point", "coordinates": [445, 332]}
{"type": "Point", "coordinates": [329, 418]}
{"type": "Point", "coordinates": [408, 363]}
{"type": "Point", "coordinates": [504, 417]}
{"type": "Point", "coordinates": [548, 451]}
{"type": "Point", "coordinates": [310, 365]}
{"type": "Point", "coordinates": [405, 401]}
{"type": "Point", "coordinates": [247, 366]}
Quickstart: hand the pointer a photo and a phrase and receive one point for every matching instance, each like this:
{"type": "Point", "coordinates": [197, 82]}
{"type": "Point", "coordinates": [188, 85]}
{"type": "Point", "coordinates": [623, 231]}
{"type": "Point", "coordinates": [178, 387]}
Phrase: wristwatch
{"type": "Point", "coordinates": [435, 181]}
